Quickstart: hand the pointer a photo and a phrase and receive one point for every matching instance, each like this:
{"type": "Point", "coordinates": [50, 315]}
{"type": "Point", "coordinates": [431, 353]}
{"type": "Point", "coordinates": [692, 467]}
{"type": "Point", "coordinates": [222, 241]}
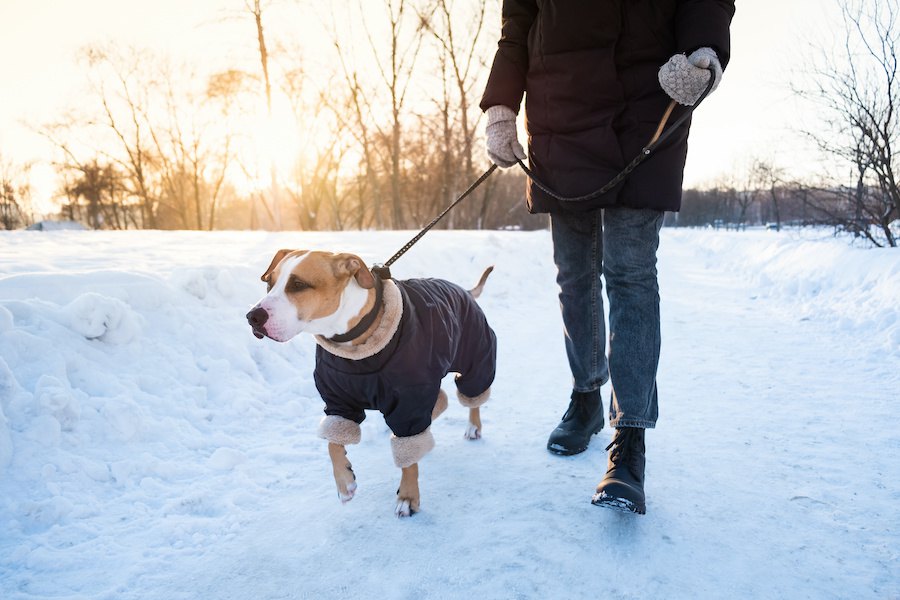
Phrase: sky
{"type": "Point", "coordinates": [752, 115]}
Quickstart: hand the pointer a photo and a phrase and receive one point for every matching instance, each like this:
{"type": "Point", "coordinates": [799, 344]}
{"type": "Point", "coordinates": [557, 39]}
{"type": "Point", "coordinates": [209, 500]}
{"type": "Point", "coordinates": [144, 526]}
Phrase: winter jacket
{"type": "Point", "coordinates": [588, 70]}
{"type": "Point", "coordinates": [442, 329]}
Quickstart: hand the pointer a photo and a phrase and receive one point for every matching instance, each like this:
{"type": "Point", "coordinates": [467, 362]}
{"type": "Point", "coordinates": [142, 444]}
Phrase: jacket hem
{"type": "Point", "coordinates": [473, 402]}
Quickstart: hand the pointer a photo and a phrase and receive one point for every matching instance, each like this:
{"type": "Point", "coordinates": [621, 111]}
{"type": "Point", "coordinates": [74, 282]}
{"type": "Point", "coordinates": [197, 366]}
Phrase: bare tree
{"type": "Point", "coordinates": [98, 191]}
{"type": "Point", "coordinates": [860, 94]}
{"type": "Point", "coordinates": [396, 73]}
{"type": "Point", "coordinates": [95, 196]}
{"type": "Point", "coordinates": [116, 79]}
{"type": "Point", "coordinates": [160, 135]}
{"type": "Point", "coordinates": [393, 61]}
{"type": "Point", "coordinates": [703, 207]}
{"type": "Point", "coordinates": [314, 183]}
{"type": "Point", "coordinates": [15, 195]}
{"type": "Point", "coordinates": [193, 149]}
{"type": "Point", "coordinates": [353, 114]}
{"type": "Point", "coordinates": [767, 181]}
{"type": "Point", "coordinates": [462, 66]}
{"type": "Point", "coordinates": [256, 9]}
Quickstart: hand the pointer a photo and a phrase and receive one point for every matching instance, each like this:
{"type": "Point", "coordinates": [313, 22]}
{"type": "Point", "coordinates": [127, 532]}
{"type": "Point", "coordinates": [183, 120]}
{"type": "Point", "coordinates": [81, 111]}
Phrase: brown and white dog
{"type": "Point", "coordinates": [382, 345]}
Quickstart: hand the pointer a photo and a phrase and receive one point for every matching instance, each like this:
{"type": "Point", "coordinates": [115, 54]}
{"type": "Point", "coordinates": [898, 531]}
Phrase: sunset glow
{"type": "Point", "coordinates": [317, 52]}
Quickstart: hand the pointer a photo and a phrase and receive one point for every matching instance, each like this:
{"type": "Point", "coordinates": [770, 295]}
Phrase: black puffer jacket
{"type": "Point", "coordinates": [442, 329]}
{"type": "Point", "coordinates": [588, 69]}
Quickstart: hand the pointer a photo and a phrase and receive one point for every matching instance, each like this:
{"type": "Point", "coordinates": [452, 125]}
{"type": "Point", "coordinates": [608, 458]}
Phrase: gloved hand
{"type": "Point", "coordinates": [503, 145]}
{"type": "Point", "coordinates": [684, 78]}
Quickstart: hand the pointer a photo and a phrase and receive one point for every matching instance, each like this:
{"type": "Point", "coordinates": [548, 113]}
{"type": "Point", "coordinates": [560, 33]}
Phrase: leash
{"type": "Point", "coordinates": [384, 270]}
{"type": "Point", "coordinates": [659, 136]}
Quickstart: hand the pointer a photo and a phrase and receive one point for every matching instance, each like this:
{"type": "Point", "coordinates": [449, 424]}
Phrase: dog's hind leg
{"type": "Point", "coordinates": [344, 476]}
{"type": "Point", "coordinates": [408, 492]}
{"type": "Point", "coordinates": [473, 429]}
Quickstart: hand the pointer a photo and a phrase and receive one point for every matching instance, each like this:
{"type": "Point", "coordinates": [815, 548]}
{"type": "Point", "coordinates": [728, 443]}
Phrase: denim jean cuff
{"type": "Point", "coordinates": [586, 390]}
{"type": "Point", "coordinates": [621, 422]}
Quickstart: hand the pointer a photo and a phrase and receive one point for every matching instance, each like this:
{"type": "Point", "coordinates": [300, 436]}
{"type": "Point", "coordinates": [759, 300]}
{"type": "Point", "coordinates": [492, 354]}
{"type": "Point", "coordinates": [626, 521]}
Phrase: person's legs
{"type": "Point", "coordinates": [577, 252]}
{"type": "Point", "coordinates": [631, 239]}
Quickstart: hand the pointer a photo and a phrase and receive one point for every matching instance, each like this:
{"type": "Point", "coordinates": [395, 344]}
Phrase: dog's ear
{"type": "Point", "coordinates": [275, 260]}
{"type": "Point", "coordinates": [354, 266]}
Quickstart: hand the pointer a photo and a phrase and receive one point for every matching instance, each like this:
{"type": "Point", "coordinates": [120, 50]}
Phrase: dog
{"type": "Point", "coordinates": [381, 345]}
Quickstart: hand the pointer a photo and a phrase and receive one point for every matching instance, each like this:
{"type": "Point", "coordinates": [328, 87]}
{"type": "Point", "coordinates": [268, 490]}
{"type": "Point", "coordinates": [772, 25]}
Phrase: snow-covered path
{"type": "Point", "coordinates": [154, 449]}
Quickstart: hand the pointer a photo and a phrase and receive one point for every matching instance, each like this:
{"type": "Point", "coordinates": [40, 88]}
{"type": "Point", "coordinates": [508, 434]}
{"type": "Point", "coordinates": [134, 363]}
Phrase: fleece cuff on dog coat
{"type": "Point", "coordinates": [410, 450]}
{"type": "Point", "coordinates": [339, 430]}
{"type": "Point", "coordinates": [473, 402]}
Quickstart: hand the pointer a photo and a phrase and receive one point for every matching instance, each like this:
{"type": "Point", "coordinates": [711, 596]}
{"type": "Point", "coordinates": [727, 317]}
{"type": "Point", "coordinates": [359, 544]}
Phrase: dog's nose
{"type": "Point", "coordinates": [257, 318]}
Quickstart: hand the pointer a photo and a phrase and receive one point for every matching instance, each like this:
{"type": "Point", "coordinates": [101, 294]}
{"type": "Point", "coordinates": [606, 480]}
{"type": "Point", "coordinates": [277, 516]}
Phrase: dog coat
{"type": "Point", "coordinates": [441, 329]}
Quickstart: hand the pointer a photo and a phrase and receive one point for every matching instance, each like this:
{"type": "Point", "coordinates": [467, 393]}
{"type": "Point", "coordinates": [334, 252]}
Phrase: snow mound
{"type": "Point", "coordinates": [98, 317]}
{"type": "Point", "coordinates": [6, 449]}
{"type": "Point", "coordinates": [55, 398]}
{"type": "Point", "coordinates": [225, 459]}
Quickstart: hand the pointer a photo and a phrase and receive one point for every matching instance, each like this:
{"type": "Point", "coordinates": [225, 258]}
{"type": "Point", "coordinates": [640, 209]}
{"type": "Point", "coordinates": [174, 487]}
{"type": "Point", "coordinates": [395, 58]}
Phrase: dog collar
{"type": "Point", "coordinates": [366, 322]}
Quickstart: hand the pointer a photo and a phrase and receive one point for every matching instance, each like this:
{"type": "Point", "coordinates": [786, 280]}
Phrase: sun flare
{"type": "Point", "coordinates": [274, 144]}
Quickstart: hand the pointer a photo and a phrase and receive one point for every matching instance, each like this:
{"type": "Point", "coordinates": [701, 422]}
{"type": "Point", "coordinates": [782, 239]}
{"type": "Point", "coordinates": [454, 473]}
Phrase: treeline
{"type": "Point", "coordinates": [385, 136]}
{"type": "Point", "coordinates": [863, 212]}
{"type": "Point", "coordinates": [384, 131]}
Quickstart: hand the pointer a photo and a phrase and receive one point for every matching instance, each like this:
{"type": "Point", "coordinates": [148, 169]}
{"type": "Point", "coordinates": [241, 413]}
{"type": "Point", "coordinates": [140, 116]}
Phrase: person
{"type": "Point", "coordinates": [597, 77]}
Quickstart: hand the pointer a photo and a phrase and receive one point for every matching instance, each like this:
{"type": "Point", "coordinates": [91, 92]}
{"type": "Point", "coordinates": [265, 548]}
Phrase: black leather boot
{"type": "Point", "coordinates": [622, 487]}
{"type": "Point", "coordinates": [583, 418]}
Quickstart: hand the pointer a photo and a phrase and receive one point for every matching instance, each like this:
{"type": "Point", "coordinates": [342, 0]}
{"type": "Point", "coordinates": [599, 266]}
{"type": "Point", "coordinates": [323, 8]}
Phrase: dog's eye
{"type": "Point", "coordinates": [297, 285]}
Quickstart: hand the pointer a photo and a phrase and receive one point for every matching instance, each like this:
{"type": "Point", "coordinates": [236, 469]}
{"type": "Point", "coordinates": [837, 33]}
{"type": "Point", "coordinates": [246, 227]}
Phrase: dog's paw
{"type": "Point", "coordinates": [406, 508]}
{"type": "Point", "coordinates": [348, 496]}
{"type": "Point", "coordinates": [472, 432]}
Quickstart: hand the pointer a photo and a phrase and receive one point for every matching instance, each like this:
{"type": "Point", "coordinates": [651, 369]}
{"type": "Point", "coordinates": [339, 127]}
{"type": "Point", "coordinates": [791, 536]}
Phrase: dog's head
{"type": "Point", "coordinates": [310, 291]}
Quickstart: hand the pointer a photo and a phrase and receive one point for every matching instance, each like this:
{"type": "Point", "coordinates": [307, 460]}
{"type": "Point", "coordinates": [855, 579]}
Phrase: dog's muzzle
{"type": "Point", "coordinates": [257, 319]}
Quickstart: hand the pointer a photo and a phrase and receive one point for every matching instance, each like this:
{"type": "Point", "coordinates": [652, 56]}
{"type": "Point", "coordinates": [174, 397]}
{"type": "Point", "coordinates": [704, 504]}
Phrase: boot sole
{"type": "Point", "coordinates": [619, 504]}
{"type": "Point", "coordinates": [563, 451]}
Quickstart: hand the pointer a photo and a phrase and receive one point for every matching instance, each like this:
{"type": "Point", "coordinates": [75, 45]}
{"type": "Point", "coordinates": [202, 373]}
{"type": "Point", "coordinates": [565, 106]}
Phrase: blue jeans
{"type": "Point", "coordinates": [620, 244]}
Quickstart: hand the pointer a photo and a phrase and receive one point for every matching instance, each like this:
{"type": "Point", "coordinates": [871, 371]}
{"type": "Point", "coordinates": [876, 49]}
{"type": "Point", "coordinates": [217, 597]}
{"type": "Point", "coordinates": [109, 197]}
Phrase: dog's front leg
{"type": "Point", "coordinates": [408, 451]}
{"type": "Point", "coordinates": [344, 476]}
{"type": "Point", "coordinates": [408, 494]}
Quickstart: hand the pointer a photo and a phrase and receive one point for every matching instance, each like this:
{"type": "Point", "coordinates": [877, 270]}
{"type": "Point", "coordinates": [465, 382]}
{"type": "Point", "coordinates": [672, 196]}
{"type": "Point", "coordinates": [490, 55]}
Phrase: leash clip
{"type": "Point", "coordinates": [381, 271]}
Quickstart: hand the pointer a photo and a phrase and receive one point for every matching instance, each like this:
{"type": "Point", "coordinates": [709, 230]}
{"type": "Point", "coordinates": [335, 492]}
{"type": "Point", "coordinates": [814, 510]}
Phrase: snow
{"type": "Point", "coordinates": [55, 226]}
{"type": "Point", "coordinates": [151, 447]}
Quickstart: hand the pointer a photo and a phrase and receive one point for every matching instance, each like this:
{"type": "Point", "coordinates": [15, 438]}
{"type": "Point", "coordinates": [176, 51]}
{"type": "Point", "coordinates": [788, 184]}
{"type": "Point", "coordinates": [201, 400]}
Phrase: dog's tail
{"type": "Point", "coordinates": [476, 291]}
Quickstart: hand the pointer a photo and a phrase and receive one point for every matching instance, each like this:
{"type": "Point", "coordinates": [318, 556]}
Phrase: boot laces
{"type": "Point", "coordinates": [625, 448]}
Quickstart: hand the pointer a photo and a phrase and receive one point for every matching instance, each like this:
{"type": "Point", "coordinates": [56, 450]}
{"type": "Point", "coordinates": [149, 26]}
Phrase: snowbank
{"type": "Point", "coordinates": [151, 447]}
{"type": "Point", "coordinates": [813, 276]}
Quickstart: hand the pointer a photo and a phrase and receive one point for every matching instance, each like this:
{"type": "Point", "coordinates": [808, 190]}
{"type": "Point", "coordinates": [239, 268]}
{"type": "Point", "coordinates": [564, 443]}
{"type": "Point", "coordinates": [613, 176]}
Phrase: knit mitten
{"type": "Point", "coordinates": [684, 78]}
{"type": "Point", "coordinates": [503, 145]}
